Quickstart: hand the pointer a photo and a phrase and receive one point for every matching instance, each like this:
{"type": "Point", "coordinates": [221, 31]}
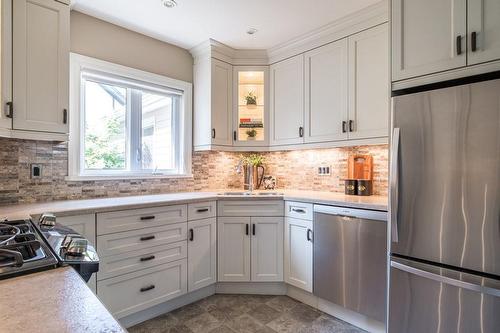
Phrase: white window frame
{"type": "Point", "coordinates": [79, 64]}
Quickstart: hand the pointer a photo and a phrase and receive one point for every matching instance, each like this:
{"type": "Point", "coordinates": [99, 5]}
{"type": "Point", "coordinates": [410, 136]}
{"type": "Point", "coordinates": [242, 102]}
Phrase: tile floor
{"type": "Point", "coordinates": [245, 314]}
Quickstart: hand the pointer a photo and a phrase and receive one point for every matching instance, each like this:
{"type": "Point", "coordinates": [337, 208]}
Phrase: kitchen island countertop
{"type": "Point", "coordinates": [56, 300]}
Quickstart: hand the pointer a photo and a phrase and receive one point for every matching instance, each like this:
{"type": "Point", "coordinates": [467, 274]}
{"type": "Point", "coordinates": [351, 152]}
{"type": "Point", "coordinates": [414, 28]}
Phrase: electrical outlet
{"type": "Point", "coordinates": [324, 171]}
{"type": "Point", "coordinates": [36, 170]}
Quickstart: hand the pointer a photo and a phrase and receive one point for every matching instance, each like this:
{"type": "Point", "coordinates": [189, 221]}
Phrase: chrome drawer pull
{"type": "Point", "coordinates": [298, 210]}
{"type": "Point", "coordinates": [147, 288]}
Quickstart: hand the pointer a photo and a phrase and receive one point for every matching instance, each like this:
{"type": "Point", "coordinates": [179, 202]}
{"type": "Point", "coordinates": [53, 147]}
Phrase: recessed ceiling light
{"type": "Point", "coordinates": [169, 3]}
{"type": "Point", "coordinates": [251, 31]}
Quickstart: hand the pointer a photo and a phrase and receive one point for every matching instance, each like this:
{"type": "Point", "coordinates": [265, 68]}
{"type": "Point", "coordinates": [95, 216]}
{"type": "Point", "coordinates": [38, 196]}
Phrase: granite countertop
{"type": "Point", "coordinates": [57, 300]}
{"type": "Point", "coordinates": [72, 207]}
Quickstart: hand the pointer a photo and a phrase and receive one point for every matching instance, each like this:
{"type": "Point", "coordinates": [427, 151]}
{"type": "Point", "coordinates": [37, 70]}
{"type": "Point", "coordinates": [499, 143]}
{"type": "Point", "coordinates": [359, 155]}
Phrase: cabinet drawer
{"type": "Point", "coordinates": [201, 210]}
{"type": "Point", "coordinates": [137, 260]}
{"type": "Point", "coordinates": [108, 245]}
{"type": "Point", "coordinates": [125, 220]}
{"type": "Point", "coordinates": [299, 210]}
{"type": "Point", "coordinates": [130, 293]}
{"type": "Point", "coordinates": [250, 208]}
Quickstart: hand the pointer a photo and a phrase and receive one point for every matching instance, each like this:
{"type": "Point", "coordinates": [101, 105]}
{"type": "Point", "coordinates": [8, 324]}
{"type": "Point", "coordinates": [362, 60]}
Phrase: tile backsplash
{"type": "Point", "coordinates": [211, 170]}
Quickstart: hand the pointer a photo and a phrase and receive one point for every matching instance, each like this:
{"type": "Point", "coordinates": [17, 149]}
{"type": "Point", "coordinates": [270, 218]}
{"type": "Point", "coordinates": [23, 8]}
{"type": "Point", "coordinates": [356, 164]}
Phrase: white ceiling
{"type": "Point", "coordinates": [195, 21]}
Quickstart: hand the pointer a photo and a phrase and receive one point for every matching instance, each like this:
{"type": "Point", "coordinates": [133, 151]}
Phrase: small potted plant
{"type": "Point", "coordinates": [251, 134]}
{"type": "Point", "coordinates": [251, 99]}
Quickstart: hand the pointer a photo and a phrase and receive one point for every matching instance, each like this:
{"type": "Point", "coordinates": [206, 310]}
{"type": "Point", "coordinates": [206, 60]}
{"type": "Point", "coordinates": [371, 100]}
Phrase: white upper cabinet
{"type": "Point", "coordinates": [428, 36]}
{"type": "Point", "coordinates": [212, 112]}
{"type": "Point", "coordinates": [287, 101]}
{"type": "Point", "coordinates": [5, 64]}
{"type": "Point", "coordinates": [221, 90]}
{"type": "Point", "coordinates": [267, 249]}
{"type": "Point", "coordinates": [250, 106]}
{"type": "Point", "coordinates": [484, 30]}
{"type": "Point", "coordinates": [369, 83]}
{"type": "Point", "coordinates": [326, 81]}
{"type": "Point", "coordinates": [41, 65]}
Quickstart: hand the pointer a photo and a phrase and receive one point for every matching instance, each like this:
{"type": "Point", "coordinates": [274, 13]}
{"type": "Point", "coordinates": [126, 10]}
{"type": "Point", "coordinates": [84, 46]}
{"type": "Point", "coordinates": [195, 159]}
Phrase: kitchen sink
{"type": "Point", "coordinates": [251, 193]}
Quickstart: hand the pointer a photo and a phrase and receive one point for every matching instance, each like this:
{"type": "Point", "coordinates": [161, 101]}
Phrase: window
{"type": "Point", "coordinates": [129, 123]}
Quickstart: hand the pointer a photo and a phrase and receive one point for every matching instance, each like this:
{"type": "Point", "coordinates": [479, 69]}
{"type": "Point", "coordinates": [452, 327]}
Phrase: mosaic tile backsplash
{"type": "Point", "coordinates": [211, 170]}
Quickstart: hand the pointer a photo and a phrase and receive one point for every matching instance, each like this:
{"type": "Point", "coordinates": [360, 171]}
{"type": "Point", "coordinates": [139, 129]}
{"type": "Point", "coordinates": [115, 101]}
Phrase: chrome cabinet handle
{"type": "Point", "coordinates": [344, 126]}
{"type": "Point", "coordinates": [309, 235]}
{"type": "Point", "coordinates": [446, 279]}
{"type": "Point", "coordinates": [351, 125]}
{"type": "Point", "coordinates": [394, 180]}
{"type": "Point", "coordinates": [298, 210]}
{"type": "Point", "coordinates": [301, 131]}
{"type": "Point", "coordinates": [213, 133]}
{"type": "Point", "coordinates": [191, 235]}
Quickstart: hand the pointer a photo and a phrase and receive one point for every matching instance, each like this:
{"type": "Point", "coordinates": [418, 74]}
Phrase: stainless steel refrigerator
{"type": "Point", "coordinates": [444, 209]}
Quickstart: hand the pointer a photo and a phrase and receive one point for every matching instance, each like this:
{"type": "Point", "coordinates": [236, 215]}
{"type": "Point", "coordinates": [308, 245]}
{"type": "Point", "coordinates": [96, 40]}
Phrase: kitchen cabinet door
{"type": "Point", "coordinates": [428, 36]}
{"type": "Point", "coordinates": [369, 83]}
{"type": "Point", "coordinates": [5, 62]}
{"type": "Point", "coordinates": [41, 65]}
{"type": "Point", "coordinates": [326, 97]}
{"type": "Point", "coordinates": [287, 101]}
{"type": "Point", "coordinates": [202, 253]}
{"type": "Point", "coordinates": [298, 253]}
{"type": "Point", "coordinates": [267, 249]}
{"type": "Point", "coordinates": [484, 31]}
{"type": "Point", "coordinates": [233, 239]}
{"type": "Point", "coordinates": [221, 108]}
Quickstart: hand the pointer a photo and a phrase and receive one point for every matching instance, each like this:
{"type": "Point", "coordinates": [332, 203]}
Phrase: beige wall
{"type": "Point", "coordinates": [99, 39]}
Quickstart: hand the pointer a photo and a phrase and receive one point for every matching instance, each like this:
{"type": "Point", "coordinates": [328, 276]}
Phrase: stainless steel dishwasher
{"type": "Point", "coordinates": [350, 258]}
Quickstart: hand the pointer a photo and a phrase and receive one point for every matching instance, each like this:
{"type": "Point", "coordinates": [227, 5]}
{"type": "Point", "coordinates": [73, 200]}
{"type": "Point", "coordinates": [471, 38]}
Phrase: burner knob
{"type": "Point", "coordinates": [48, 219]}
{"type": "Point", "coordinates": [74, 245]}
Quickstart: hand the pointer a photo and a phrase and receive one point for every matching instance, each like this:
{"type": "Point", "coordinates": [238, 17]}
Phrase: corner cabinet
{"type": "Point", "coordinates": [35, 64]}
{"type": "Point", "coordinates": [456, 35]}
{"type": "Point", "coordinates": [250, 106]}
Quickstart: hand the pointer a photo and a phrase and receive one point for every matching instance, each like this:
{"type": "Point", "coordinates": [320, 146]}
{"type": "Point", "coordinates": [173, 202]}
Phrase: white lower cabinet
{"type": "Point", "coordinates": [233, 248]}
{"type": "Point", "coordinates": [202, 253]}
{"type": "Point", "coordinates": [299, 253]}
{"type": "Point", "coordinates": [249, 248]}
{"type": "Point", "coordinates": [129, 293]}
{"type": "Point", "coordinates": [267, 249]}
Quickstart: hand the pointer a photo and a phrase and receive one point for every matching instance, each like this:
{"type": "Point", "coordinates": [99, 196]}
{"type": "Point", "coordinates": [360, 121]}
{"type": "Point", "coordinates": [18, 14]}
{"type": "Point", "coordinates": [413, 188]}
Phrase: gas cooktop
{"type": "Point", "coordinates": [22, 249]}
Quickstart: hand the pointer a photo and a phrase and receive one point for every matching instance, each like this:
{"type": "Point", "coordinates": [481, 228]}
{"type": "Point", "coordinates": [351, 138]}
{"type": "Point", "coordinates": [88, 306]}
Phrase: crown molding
{"type": "Point", "coordinates": [358, 21]}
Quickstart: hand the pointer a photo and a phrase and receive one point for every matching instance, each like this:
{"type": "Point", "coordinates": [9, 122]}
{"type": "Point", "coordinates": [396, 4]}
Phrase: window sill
{"type": "Point", "coordinates": [123, 177]}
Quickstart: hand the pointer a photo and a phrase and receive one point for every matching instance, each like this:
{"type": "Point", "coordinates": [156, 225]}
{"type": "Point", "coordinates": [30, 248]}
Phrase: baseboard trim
{"type": "Point", "coordinates": [335, 310]}
{"type": "Point", "coordinates": [257, 288]}
{"type": "Point", "coordinates": [166, 307]}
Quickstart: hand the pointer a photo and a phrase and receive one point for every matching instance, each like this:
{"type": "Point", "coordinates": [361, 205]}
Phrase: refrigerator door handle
{"type": "Point", "coordinates": [394, 185]}
{"type": "Point", "coordinates": [446, 280]}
